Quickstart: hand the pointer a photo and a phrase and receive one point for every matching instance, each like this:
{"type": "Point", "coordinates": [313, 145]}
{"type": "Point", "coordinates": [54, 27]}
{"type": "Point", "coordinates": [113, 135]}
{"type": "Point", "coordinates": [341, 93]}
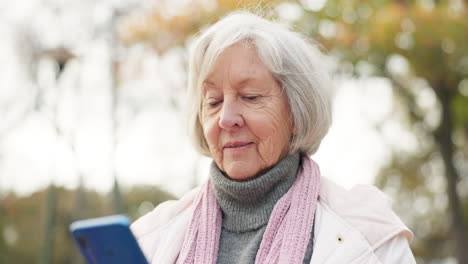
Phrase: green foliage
{"type": "Point", "coordinates": [460, 110]}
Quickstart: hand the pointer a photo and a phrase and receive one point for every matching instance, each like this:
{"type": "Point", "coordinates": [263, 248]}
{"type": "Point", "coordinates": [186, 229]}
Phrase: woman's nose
{"type": "Point", "coordinates": [230, 115]}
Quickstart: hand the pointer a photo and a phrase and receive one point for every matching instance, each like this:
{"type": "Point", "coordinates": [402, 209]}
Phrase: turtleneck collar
{"type": "Point", "coordinates": [247, 205]}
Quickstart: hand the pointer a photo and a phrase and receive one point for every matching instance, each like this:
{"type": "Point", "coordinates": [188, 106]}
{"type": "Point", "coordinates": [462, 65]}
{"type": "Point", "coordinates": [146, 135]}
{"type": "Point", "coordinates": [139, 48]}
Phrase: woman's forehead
{"type": "Point", "coordinates": [239, 64]}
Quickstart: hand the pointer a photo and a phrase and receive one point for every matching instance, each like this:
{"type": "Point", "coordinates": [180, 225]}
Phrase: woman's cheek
{"type": "Point", "coordinates": [266, 123]}
{"type": "Point", "coordinates": [210, 131]}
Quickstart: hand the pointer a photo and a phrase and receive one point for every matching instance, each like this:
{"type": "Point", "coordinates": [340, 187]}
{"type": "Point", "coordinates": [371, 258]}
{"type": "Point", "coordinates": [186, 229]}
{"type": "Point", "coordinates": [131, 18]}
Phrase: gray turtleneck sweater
{"type": "Point", "coordinates": [247, 206]}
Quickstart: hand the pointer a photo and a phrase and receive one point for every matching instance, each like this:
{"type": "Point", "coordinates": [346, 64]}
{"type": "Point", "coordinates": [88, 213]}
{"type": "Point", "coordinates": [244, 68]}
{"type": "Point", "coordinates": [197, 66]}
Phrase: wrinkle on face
{"type": "Point", "coordinates": [243, 102]}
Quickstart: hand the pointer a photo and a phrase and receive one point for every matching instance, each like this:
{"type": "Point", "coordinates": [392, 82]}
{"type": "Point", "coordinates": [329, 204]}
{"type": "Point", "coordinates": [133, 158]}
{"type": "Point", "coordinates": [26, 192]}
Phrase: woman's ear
{"type": "Point", "coordinates": [293, 126]}
{"type": "Point", "coordinates": [293, 133]}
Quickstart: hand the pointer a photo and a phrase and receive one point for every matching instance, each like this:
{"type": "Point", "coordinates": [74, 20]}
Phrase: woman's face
{"type": "Point", "coordinates": [245, 117]}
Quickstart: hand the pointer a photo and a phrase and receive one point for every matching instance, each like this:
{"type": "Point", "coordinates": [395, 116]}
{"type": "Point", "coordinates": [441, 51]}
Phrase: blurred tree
{"type": "Point", "coordinates": [114, 86]}
{"type": "Point", "coordinates": [53, 241]}
{"type": "Point", "coordinates": [60, 56]}
{"type": "Point", "coordinates": [167, 27]}
{"type": "Point", "coordinates": [421, 48]}
{"type": "Point", "coordinates": [79, 209]}
{"type": "Point", "coordinates": [49, 226]}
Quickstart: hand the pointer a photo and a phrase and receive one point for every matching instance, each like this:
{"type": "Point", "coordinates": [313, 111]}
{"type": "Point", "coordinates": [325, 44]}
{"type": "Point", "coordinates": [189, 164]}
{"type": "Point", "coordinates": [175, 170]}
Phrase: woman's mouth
{"type": "Point", "coordinates": [237, 145]}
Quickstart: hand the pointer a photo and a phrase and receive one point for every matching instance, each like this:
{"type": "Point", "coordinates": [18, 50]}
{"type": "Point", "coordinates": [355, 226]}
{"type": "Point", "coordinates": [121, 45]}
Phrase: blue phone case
{"type": "Point", "coordinates": [107, 240]}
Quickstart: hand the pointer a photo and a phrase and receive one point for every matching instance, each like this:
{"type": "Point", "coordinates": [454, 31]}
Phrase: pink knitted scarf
{"type": "Point", "coordinates": [287, 233]}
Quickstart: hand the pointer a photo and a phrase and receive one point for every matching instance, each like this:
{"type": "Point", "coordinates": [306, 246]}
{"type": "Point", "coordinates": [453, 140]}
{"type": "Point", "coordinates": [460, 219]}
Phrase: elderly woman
{"type": "Point", "coordinates": [260, 108]}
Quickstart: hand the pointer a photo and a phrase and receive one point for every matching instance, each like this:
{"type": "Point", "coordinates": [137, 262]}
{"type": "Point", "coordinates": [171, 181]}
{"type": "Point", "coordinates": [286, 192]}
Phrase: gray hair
{"type": "Point", "coordinates": [295, 62]}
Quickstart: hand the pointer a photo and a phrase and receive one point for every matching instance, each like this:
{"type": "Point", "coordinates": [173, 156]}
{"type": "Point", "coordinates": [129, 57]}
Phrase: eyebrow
{"type": "Point", "coordinates": [239, 83]}
{"type": "Point", "coordinates": [208, 82]}
{"type": "Point", "coordinates": [204, 85]}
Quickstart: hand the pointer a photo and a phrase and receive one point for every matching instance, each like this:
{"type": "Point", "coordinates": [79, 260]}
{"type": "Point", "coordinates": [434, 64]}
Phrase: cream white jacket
{"type": "Point", "coordinates": [351, 226]}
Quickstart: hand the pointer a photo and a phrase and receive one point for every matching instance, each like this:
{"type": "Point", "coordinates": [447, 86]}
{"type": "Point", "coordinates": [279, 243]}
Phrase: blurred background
{"type": "Point", "coordinates": [92, 96]}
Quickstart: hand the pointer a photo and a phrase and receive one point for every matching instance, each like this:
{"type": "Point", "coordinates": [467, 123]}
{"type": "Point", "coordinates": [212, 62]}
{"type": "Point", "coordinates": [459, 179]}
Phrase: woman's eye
{"type": "Point", "coordinates": [251, 97]}
{"type": "Point", "coordinates": [214, 103]}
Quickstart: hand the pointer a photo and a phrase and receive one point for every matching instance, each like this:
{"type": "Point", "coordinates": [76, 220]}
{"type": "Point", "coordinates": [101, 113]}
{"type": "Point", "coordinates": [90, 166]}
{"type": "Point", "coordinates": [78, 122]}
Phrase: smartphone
{"type": "Point", "coordinates": [107, 240]}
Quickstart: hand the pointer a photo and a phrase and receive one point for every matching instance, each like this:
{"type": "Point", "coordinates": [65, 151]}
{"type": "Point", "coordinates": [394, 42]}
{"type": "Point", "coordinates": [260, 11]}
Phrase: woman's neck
{"type": "Point", "coordinates": [247, 205]}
